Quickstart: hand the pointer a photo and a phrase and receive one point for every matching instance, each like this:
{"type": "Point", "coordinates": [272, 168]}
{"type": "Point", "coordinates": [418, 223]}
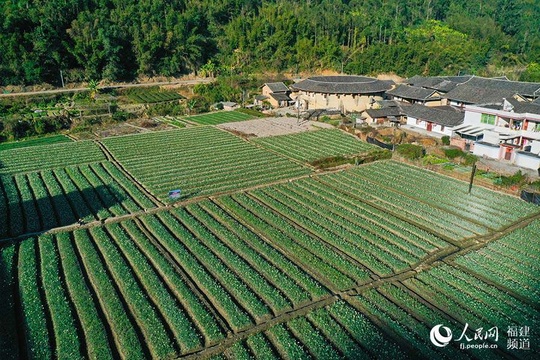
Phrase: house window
{"type": "Point", "coordinates": [537, 127]}
{"type": "Point", "coordinates": [487, 119]}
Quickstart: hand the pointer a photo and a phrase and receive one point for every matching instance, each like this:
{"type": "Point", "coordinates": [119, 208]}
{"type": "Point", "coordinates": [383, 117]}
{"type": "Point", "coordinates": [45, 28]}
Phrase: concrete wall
{"type": "Point", "coordinates": [487, 151]}
{"type": "Point", "coordinates": [345, 103]}
{"type": "Point", "coordinates": [527, 161]}
{"type": "Point", "coordinates": [463, 144]}
{"type": "Point", "coordinates": [435, 128]}
{"type": "Point", "coordinates": [472, 118]}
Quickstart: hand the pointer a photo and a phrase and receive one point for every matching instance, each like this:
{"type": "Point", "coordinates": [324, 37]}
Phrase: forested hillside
{"type": "Point", "coordinates": [123, 39]}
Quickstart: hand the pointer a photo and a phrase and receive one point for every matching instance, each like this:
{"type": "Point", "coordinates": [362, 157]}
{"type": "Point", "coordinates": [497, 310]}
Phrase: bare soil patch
{"type": "Point", "coordinates": [272, 126]}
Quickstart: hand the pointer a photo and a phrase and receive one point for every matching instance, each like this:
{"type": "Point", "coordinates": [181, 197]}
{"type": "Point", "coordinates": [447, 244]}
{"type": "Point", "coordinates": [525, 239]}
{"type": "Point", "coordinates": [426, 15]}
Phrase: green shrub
{"type": "Point", "coordinates": [433, 160]}
{"type": "Point", "coordinates": [507, 181]}
{"type": "Point", "coordinates": [453, 153]}
{"type": "Point", "coordinates": [469, 159]}
{"type": "Point", "coordinates": [410, 151]}
{"type": "Point", "coordinates": [445, 140]}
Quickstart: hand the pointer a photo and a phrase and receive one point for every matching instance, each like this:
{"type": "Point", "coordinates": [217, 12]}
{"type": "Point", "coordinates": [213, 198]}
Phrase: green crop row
{"type": "Point", "coordinates": [221, 299]}
{"type": "Point", "coordinates": [219, 117]}
{"type": "Point", "coordinates": [59, 197]}
{"type": "Point", "coordinates": [510, 261]}
{"type": "Point", "coordinates": [9, 348]}
{"type": "Point", "coordinates": [125, 334]}
{"type": "Point", "coordinates": [37, 333]}
{"type": "Point", "coordinates": [49, 156]}
{"type": "Point", "coordinates": [198, 313]}
{"type": "Point", "coordinates": [137, 299]}
{"type": "Point", "coordinates": [369, 214]}
{"type": "Point", "coordinates": [199, 161]}
{"type": "Point", "coordinates": [68, 344]}
{"type": "Point", "coordinates": [313, 145]}
{"type": "Point", "coordinates": [431, 217]}
{"type": "Point", "coordinates": [181, 326]}
{"type": "Point", "coordinates": [97, 341]}
{"type": "Point", "coordinates": [192, 233]}
{"type": "Point", "coordinates": [213, 236]}
{"type": "Point", "coordinates": [337, 331]}
{"type": "Point", "coordinates": [245, 244]}
{"type": "Point", "coordinates": [336, 269]}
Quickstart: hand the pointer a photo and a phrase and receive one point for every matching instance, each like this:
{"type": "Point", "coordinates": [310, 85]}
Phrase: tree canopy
{"type": "Point", "coordinates": [123, 39]}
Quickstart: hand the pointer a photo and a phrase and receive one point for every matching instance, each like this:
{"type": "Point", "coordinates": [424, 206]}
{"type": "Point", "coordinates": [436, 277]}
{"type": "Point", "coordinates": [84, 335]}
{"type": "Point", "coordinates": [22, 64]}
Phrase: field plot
{"type": "Point", "coordinates": [381, 243]}
{"type": "Point", "coordinates": [175, 121]}
{"type": "Point", "coordinates": [337, 331]}
{"type": "Point", "coordinates": [410, 318]}
{"type": "Point", "coordinates": [466, 299]}
{"type": "Point", "coordinates": [512, 261]}
{"type": "Point", "coordinates": [220, 117]}
{"type": "Point", "coordinates": [47, 140]}
{"type": "Point", "coordinates": [313, 145]}
{"type": "Point", "coordinates": [437, 203]}
{"type": "Point", "coordinates": [49, 156]}
{"type": "Point", "coordinates": [43, 200]}
{"type": "Point", "coordinates": [199, 161]}
{"type": "Point", "coordinates": [160, 286]}
{"type": "Point", "coordinates": [360, 263]}
{"type": "Point", "coordinates": [150, 97]}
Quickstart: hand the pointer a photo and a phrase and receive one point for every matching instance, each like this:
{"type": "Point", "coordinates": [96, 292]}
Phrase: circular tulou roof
{"type": "Point", "coordinates": [344, 84]}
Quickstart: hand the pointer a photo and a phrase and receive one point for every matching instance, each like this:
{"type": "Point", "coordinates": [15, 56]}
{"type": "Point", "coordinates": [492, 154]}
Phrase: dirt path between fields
{"type": "Point", "coordinates": [108, 87]}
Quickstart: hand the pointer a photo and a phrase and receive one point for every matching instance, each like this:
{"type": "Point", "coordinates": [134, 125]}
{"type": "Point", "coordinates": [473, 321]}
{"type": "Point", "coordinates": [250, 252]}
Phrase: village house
{"type": "Point", "coordinates": [384, 112]}
{"type": "Point", "coordinates": [415, 95]}
{"type": "Point", "coordinates": [276, 94]}
{"type": "Point", "coordinates": [479, 90]}
{"type": "Point", "coordinates": [441, 84]}
{"type": "Point", "coordinates": [439, 120]}
{"type": "Point", "coordinates": [509, 131]}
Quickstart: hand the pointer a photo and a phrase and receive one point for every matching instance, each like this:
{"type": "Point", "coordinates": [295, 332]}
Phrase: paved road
{"type": "Point", "coordinates": [65, 90]}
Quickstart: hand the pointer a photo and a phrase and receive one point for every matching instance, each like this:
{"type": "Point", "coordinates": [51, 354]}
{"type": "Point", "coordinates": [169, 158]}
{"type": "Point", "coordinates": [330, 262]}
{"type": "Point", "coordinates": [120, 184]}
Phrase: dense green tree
{"type": "Point", "coordinates": [122, 39]}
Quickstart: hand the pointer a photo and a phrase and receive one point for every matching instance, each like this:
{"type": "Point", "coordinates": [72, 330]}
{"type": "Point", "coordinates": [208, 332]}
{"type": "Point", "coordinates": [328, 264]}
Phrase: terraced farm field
{"type": "Point", "coordinates": [269, 260]}
{"type": "Point", "coordinates": [53, 139]}
{"type": "Point", "coordinates": [199, 161]}
{"type": "Point", "coordinates": [220, 117]}
{"type": "Point", "coordinates": [49, 156]}
{"type": "Point", "coordinates": [42, 200]}
{"type": "Point", "coordinates": [313, 145]}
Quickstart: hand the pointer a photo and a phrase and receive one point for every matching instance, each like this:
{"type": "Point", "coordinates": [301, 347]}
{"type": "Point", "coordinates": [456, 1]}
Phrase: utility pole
{"type": "Point", "coordinates": [62, 78]}
{"type": "Point", "coordinates": [473, 171]}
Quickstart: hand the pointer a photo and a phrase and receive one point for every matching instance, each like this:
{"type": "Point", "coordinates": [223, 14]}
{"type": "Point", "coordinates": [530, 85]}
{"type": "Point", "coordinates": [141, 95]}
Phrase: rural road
{"type": "Point", "coordinates": [117, 86]}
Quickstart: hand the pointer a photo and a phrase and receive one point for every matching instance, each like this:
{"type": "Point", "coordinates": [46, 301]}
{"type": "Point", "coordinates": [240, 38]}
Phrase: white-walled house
{"type": "Point", "coordinates": [510, 131]}
{"type": "Point", "coordinates": [439, 120]}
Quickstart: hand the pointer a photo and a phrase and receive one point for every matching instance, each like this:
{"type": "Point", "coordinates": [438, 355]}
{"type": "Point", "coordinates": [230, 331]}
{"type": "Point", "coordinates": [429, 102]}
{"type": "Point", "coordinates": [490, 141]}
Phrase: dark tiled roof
{"type": "Point", "coordinates": [469, 94]}
{"type": "Point", "coordinates": [522, 107]}
{"type": "Point", "coordinates": [384, 112]}
{"type": "Point", "coordinates": [441, 115]}
{"type": "Point", "coordinates": [261, 97]}
{"type": "Point", "coordinates": [387, 103]}
{"type": "Point", "coordinates": [413, 92]}
{"type": "Point", "coordinates": [280, 96]}
{"type": "Point", "coordinates": [517, 87]}
{"type": "Point", "coordinates": [346, 84]}
{"type": "Point", "coordinates": [445, 86]}
{"type": "Point", "coordinates": [277, 87]}
{"type": "Point", "coordinates": [433, 82]}
{"type": "Point", "coordinates": [536, 101]}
